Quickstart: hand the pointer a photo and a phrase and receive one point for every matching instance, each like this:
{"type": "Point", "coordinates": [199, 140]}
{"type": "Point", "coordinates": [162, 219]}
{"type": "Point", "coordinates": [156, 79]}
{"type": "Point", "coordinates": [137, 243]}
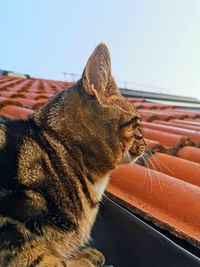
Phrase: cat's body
{"type": "Point", "coordinates": [54, 168]}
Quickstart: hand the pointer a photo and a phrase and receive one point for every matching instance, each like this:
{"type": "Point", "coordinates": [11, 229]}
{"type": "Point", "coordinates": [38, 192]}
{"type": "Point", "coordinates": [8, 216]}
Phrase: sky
{"type": "Point", "coordinates": [154, 44]}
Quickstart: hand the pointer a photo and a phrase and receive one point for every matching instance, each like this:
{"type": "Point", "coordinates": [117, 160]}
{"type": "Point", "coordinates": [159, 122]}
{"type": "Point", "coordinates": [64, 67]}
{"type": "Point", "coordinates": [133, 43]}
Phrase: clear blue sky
{"type": "Point", "coordinates": [152, 42]}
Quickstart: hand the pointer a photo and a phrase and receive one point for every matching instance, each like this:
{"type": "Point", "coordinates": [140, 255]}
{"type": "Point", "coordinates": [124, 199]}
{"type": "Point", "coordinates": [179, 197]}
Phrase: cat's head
{"type": "Point", "coordinates": [94, 118]}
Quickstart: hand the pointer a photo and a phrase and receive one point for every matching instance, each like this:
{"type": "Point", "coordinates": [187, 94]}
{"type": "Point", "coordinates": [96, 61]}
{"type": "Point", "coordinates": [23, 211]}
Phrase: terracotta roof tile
{"type": "Point", "coordinates": [23, 102]}
{"type": "Point", "coordinates": [5, 78]}
{"type": "Point", "coordinates": [190, 153]}
{"type": "Point", "coordinates": [177, 114]}
{"type": "Point", "coordinates": [153, 146]}
{"type": "Point", "coordinates": [146, 105]}
{"type": "Point", "coordinates": [34, 87]}
{"type": "Point", "coordinates": [188, 122]}
{"type": "Point", "coordinates": [7, 84]}
{"type": "Point", "coordinates": [172, 142]}
{"type": "Point", "coordinates": [182, 169]}
{"type": "Point", "coordinates": [179, 124]}
{"type": "Point", "coordinates": [14, 112]}
{"type": "Point", "coordinates": [150, 115]}
{"type": "Point", "coordinates": [190, 113]}
{"type": "Point", "coordinates": [134, 100]}
{"type": "Point", "coordinates": [193, 135]}
{"type": "Point", "coordinates": [7, 94]}
{"type": "Point", "coordinates": [171, 203]}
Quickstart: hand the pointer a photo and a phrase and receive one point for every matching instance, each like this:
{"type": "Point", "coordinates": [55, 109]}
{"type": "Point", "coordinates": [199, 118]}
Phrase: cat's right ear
{"type": "Point", "coordinates": [97, 72]}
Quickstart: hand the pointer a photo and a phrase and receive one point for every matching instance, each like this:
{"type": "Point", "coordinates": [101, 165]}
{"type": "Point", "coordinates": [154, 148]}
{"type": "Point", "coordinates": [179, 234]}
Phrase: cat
{"type": "Point", "coordinates": [55, 165]}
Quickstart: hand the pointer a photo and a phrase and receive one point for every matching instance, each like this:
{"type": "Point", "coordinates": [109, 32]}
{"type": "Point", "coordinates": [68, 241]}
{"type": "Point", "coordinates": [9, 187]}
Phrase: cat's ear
{"type": "Point", "coordinates": [97, 72]}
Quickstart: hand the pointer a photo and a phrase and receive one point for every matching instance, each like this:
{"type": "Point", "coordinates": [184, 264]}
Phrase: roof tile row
{"type": "Point", "coordinates": [169, 202]}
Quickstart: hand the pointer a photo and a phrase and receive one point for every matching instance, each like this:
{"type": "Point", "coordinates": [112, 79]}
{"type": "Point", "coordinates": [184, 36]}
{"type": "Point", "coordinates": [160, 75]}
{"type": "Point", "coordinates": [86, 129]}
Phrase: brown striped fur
{"type": "Point", "coordinates": [54, 167]}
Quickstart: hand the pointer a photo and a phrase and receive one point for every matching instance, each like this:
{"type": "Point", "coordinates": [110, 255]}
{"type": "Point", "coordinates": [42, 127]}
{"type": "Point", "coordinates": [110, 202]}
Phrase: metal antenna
{"type": "Point", "coordinates": [65, 76]}
{"type": "Point", "coordinates": [72, 76]}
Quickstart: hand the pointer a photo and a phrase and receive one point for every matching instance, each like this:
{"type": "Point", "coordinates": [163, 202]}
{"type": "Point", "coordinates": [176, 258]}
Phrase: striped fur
{"type": "Point", "coordinates": [54, 168]}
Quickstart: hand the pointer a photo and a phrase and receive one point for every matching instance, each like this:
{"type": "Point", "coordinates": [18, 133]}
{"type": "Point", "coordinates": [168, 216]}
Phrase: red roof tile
{"type": "Point", "coordinates": [178, 124]}
{"type": "Point", "coordinates": [150, 115]}
{"type": "Point", "coordinates": [7, 84]}
{"type": "Point", "coordinates": [182, 169]}
{"type": "Point", "coordinates": [190, 153]}
{"type": "Point", "coordinates": [28, 103]}
{"type": "Point", "coordinates": [146, 105]}
{"type": "Point", "coordinates": [190, 113]}
{"type": "Point", "coordinates": [171, 203]}
{"type": "Point", "coordinates": [194, 135]}
{"type": "Point", "coordinates": [169, 140]}
{"type": "Point", "coordinates": [14, 112]}
{"type": "Point", "coordinates": [134, 100]}
{"type": "Point", "coordinates": [189, 122]}
{"type": "Point", "coordinates": [152, 145]}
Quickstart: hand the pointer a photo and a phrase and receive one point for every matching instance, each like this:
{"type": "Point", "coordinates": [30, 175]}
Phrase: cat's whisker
{"type": "Point", "coordinates": [154, 168]}
{"type": "Point", "coordinates": [159, 162]}
{"type": "Point", "coordinates": [157, 174]}
{"type": "Point", "coordinates": [129, 157]}
{"type": "Point", "coordinates": [145, 157]}
{"type": "Point", "coordinates": [151, 182]}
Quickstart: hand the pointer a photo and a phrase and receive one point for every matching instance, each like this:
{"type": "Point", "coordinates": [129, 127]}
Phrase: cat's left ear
{"type": "Point", "coordinates": [97, 72]}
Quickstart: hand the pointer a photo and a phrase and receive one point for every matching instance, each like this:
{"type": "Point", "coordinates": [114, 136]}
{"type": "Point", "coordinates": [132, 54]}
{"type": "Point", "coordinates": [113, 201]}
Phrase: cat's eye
{"type": "Point", "coordinates": [133, 121]}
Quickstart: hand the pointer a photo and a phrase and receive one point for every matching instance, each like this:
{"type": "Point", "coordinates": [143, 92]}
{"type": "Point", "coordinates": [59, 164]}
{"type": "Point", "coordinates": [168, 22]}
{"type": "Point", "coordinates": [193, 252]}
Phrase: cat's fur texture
{"type": "Point", "coordinates": [54, 167]}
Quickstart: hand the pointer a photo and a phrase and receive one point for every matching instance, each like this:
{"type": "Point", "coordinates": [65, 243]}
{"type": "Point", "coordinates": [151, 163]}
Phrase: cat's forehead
{"type": "Point", "coordinates": [125, 106]}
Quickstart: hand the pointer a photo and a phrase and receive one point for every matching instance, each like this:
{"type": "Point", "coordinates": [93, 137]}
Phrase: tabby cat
{"type": "Point", "coordinates": [54, 167]}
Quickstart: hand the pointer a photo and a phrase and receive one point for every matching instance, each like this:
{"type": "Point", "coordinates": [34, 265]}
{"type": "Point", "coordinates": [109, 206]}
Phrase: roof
{"type": "Point", "coordinates": [165, 187]}
{"type": "Point", "coordinates": [160, 96]}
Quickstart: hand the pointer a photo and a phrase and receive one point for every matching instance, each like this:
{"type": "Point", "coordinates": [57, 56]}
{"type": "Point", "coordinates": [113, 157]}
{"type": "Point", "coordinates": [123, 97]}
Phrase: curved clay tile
{"type": "Point", "coordinates": [139, 105]}
{"type": "Point", "coordinates": [180, 168]}
{"type": "Point", "coordinates": [39, 103]}
{"type": "Point", "coordinates": [57, 87]}
{"type": "Point", "coordinates": [20, 86]}
{"type": "Point", "coordinates": [48, 87]}
{"type": "Point", "coordinates": [178, 124]}
{"type": "Point", "coordinates": [176, 114]}
{"type": "Point", "coordinates": [169, 202]}
{"type": "Point", "coordinates": [23, 102]}
{"type": "Point", "coordinates": [15, 112]}
{"type": "Point", "coordinates": [194, 135]}
{"type": "Point", "coordinates": [10, 83]}
{"type": "Point", "coordinates": [147, 115]}
{"type": "Point", "coordinates": [190, 113]}
{"type": "Point", "coordinates": [44, 95]}
{"type": "Point", "coordinates": [134, 99]}
{"type": "Point", "coordinates": [3, 99]}
{"type": "Point", "coordinates": [34, 87]}
{"type": "Point", "coordinates": [4, 79]}
{"type": "Point", "coordinates": [147, 105]}
{"type": "Point", "coordinates": [153, 146]}
{"type": "Point", "coordinates": [6, 94]}
{"type": "Point", "coordinates": [190, 153]}
{"type": "Point", "coordinates": [189, 122]}
{"type": "Point", "coordinates": [150, 115]}
{"type": "Point", "coordinates": [170, 141]}
{"type": "Point", "coordinates": [27, 95]}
